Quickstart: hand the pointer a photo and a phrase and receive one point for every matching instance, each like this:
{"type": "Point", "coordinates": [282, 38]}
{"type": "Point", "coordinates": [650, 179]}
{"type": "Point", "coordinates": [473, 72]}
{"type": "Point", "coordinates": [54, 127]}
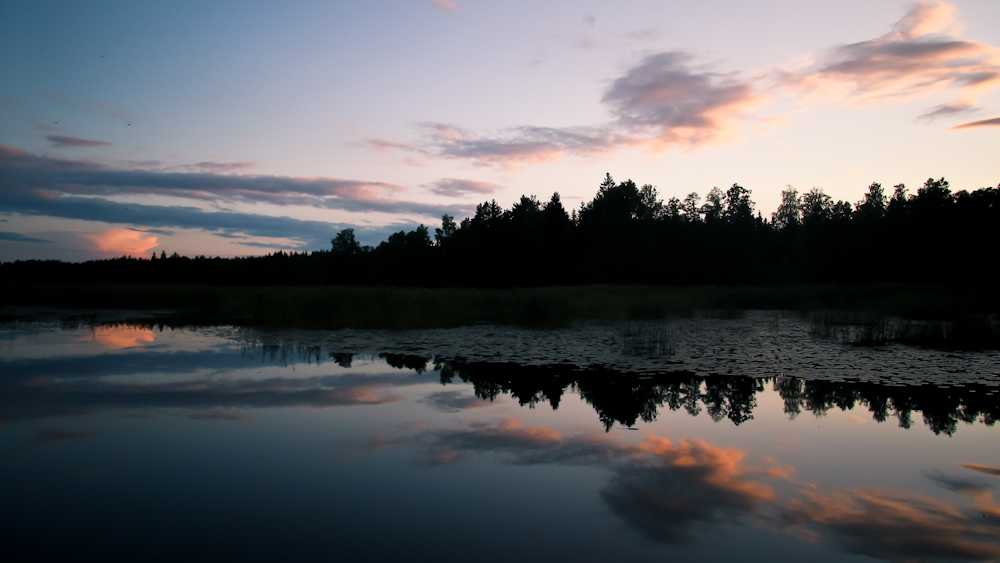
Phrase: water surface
{"type": "Point", "coordinates": [709, 438]}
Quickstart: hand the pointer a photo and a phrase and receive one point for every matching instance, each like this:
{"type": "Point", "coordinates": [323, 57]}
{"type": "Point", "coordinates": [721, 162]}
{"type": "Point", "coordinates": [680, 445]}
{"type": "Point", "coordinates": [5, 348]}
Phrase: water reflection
{"type": "Point", "coordinates": [314, 450]}
{"type": "Point", "coordinates": [59, 386]}
{"type": "Point", "coordinates": [118, 337]}
{"type": "Point", "coordinates": [671, 492]}
{"type": "Point", "coordinates": [627, 398]}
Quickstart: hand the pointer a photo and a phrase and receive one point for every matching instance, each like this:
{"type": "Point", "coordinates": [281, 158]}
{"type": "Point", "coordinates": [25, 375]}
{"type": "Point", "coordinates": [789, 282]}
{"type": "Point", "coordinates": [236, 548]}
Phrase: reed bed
{"type": "Point", "coordinates": [406, 307]}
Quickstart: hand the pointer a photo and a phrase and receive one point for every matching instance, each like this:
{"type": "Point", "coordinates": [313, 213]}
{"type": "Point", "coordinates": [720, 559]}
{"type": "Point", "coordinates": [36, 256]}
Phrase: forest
{"type": "Point", "coordinates": [625, 235]}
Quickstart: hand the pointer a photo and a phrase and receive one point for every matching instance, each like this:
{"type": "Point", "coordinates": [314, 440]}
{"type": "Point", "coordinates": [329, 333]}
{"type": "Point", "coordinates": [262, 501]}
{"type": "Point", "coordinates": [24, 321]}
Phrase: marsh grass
{"type": "Point", "coordinates": [405, 308]}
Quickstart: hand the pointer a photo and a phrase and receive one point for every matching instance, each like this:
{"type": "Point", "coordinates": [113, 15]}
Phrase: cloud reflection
{"type": "Point", "coordinates": [665, 494]}
{"type": "Point", "coordinates": [667, 490]}
{"type": "Point", "coordinates": [118, 337]}
{"type": "Point", "coordinates": [454, 401]}
{"type": "Point", "coordinates": [27, 398]}
{"type": "Point", "coordinates": [895, 525]}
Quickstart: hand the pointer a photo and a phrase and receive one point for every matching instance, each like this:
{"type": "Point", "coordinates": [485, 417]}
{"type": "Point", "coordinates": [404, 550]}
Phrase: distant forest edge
{"type": "Point", "coordinates": [625, 235]}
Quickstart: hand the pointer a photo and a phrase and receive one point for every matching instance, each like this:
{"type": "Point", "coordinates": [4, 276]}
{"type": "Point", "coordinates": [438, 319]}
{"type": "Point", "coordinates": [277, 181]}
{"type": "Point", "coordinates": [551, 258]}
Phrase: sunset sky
{"type": "Point", "coordinates": [236, 128]}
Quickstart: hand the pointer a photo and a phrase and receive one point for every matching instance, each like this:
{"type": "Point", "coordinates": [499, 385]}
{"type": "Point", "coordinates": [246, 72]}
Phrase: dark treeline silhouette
{"type": "Point", "coordinates": [625, 234]}
{"type": "Point", "coordinates": [626, 398]}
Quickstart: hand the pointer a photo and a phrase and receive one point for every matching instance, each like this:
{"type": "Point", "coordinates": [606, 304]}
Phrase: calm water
{"type": "Point", "coordinates": [709, 439]}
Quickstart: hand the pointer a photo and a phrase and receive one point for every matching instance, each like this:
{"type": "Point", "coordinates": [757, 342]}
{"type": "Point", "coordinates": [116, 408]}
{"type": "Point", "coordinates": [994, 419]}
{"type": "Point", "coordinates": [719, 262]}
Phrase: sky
{"type": "Point", "coordinates": [242, 128]}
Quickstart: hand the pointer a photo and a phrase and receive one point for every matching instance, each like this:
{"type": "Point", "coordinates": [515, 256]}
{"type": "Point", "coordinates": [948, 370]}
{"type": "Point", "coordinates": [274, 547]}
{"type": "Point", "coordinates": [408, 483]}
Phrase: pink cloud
{"type": "Point", "coordinates": [123, 241]}
{"type": "Point", "coordinates": [672, 103]}
{"type": "Point", "coordinates": [444, 5]}
{"type": "Point", "coordinates": [919, 57]}
{"type": "Point", "coordinates": [662, 103]}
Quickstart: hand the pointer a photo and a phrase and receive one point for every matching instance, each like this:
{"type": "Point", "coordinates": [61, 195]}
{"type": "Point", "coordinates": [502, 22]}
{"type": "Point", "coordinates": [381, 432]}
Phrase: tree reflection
{"type": "Point", "coordinates": [626, 398]}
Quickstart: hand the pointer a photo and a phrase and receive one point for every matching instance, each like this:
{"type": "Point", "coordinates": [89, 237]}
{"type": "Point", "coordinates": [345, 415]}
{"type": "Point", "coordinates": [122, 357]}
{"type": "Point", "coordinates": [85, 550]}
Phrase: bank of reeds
{"type": "Point", "coordinates": [400, 308]}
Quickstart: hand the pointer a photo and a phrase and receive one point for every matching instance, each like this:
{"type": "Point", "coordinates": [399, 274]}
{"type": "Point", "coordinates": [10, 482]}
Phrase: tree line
{"type": "Point", "coordinates": [625, 234]}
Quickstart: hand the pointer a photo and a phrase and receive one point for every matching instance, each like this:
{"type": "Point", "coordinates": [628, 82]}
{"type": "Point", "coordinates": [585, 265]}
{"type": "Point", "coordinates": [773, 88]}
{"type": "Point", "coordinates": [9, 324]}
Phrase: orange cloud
{"type": "Point", "coordinates": [721, 468]}
{"type": "Point", "coordinates": [991, 122]}
{"type": "Point", "coordinates": [980, 468]}
{"type": "Point", "coordinates": [123, 241]}
{"type": "Point", "coordinates": [511, 427]}
{"type": "Point", "coordinates": [665, 494]}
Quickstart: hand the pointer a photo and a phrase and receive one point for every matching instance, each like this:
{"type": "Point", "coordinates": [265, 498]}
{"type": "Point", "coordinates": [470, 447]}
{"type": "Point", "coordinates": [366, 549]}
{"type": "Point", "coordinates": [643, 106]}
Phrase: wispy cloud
{"type": "Point", "coordinates": [979, 468]}
{"type": "Point", "coordinates": [662, 103]}
{"type": "Point", "coordinates": [97, 107]}
{"type": "Point", "coordinates": [311, 235]}
{"type": "Point", "coordinates": [514, 147]}
{"type": "Point", "coordinates": [218, 167]}
{"type": "Point", "coordinates": [949, 110]}
{"type": "Point", "coordinates": [72, 189]}
{"type": "Point", "coordinates": [275, 246]}
{"type": "Point", "coordinates": [920, 56]}
{"type": "Point", "coordinates": [18, 237]}
{"type": "Point", "coordinates": [27, 173]}
{"type": "Point", "coordinates": [991, 122]}
{"type": "Point", "coordinates": [455, 187]}
{"type": "Point", "coordinates": [69, 141]}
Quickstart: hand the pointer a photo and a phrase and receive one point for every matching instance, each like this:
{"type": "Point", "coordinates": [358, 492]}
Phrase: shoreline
{"type": "Point", "coordinates": [365, 307]}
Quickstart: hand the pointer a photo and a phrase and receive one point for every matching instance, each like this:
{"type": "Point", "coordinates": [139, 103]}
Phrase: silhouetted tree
{"type": "Point", "coordinates": [447, 229]}
{"type": "Point", "coordinates": [739, 208]}
{"type": "Point", "coordinates": [816, 206]}
{"type": "Point", "coordinates": [789, 213]}
{"type": "Point", "coordinates": [690, 209]}
{"type": "Point", "coordinates": [344, 243]}
{"type": "Point", "coordinates": [872, 207]}
{"type": "Point", "coordinates": [712, 210]}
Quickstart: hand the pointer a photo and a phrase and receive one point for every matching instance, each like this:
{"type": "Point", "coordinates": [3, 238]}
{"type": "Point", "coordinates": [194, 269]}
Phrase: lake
{"type": "Point", "coordinates": [725, 436]}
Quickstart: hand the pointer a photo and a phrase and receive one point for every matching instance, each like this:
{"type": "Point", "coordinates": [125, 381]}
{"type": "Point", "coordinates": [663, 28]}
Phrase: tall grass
{"type": "Point", "coordinates": [401, 308]}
